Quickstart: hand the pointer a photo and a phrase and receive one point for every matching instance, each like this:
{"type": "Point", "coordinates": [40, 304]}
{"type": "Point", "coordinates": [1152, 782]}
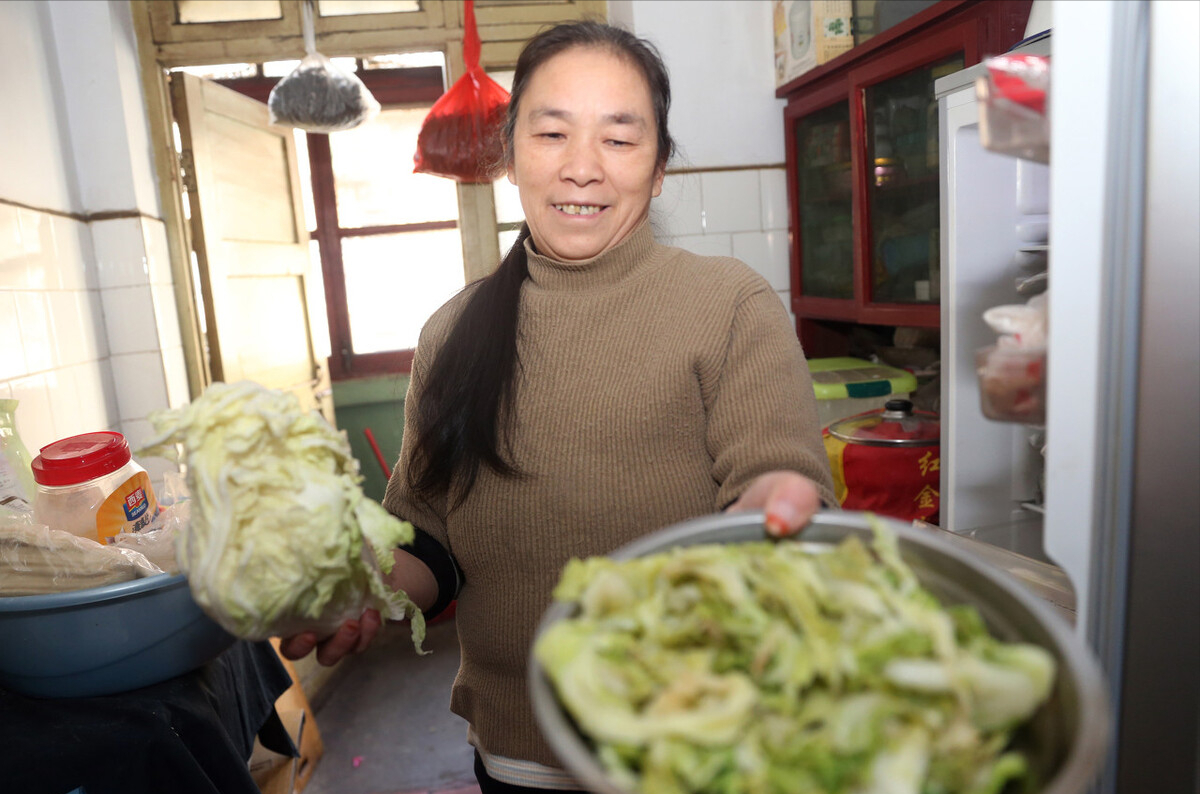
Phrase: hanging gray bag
{"type": "Point", "coordinates": [317, 96]}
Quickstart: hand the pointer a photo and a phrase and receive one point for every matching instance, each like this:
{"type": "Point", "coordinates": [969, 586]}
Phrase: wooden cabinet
{"type": "Point", "coordinates": [863, 177]}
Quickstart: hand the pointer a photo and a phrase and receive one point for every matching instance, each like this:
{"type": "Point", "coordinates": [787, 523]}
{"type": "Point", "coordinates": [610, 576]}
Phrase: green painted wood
{"type": "Point", "coordinates": [377, 404]}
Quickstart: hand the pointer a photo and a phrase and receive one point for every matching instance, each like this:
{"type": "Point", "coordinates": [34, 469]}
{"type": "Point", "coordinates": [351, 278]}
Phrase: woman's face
{"type": "Point", "coordinates": [585, 151]}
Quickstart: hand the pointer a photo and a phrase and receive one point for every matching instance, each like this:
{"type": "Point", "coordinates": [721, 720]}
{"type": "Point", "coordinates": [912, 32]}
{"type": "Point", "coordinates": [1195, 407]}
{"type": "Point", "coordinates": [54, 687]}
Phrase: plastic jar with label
{"type": "Point", "coordinates": [90, 485]}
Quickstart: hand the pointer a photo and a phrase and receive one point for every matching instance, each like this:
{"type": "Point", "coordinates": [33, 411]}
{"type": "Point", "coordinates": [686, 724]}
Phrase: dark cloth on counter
{"type": "Point", "coordinates": [192, 734]}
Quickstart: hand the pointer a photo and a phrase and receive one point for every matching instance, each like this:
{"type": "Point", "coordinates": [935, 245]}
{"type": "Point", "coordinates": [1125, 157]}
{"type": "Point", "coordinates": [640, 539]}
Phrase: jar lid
{"type": "Point", "coordinates": [81, 458]}
{"type": "Point", "coordinates": [895, 425]}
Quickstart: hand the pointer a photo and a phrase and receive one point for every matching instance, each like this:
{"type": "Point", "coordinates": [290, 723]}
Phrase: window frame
{"type": "Point", "coordinates": [392, 88]}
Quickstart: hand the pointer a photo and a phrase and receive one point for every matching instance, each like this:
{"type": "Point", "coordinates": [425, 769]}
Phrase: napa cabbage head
{"type": "Point", "coordinates": [281, 537]}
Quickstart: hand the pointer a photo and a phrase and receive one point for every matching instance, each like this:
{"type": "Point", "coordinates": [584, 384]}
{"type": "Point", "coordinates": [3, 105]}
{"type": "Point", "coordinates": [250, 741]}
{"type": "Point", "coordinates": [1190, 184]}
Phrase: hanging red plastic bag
{"type": "Point", "coordinates": [317, 96]}
{"type": "Point", "coordinates": [462, 137]}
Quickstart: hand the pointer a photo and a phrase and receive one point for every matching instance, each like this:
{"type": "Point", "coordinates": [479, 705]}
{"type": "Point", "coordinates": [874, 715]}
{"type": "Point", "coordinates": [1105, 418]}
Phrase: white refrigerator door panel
{"type": "Point", "coordinates": [1080, 107]}
{"type": "Point", "coordinates": [988, 467]}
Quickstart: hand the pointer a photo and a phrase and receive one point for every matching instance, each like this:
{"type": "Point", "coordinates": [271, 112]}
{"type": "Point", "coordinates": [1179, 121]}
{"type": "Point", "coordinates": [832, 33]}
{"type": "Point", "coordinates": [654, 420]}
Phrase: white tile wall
{"type": "Point", "coordinates": [158, 256]}
{"type": "Point", "coordinates": [706, 244]}
{"type": "Point", "coordinates": [678, 211]}
{"type": "Point", "coordinates": [732, 201]}
{"type": "Point", "coordinates": [739, 213]}
{"type": "Point", "coordinates": [53, 326]}
{"type": "Point", "coordinates": [12, 356]}
{"type": "Point", "coordinates": [767, 253]}
{"type": "Point", "coordinates": [92, 332]}
{"type": "Point", "coordinates": [120, 247]}
{"type": "Point", "coordinates": [774, 198]}
{"type": "Point", "coordinates": [89, 336]}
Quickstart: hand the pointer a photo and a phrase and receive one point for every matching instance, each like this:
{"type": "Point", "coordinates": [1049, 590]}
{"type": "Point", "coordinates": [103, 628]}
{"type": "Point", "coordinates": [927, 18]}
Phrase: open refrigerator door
{"type": "Point", "coordinates": [1112, 505]}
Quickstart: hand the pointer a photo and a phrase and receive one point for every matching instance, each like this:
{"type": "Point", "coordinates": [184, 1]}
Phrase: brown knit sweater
{"type": "Point", "coordinates": [657, 385]}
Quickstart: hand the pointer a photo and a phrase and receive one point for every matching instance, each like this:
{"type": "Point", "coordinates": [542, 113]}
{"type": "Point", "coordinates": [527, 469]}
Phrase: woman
{"type": "Point", "coordinates": [596, 387]}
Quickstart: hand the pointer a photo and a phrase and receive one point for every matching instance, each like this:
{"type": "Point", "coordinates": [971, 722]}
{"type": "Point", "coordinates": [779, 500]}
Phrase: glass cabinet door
{"type": "Point", "coordinates": [902, 141]}
{"type": "Point", "coordinates": [825, 187]}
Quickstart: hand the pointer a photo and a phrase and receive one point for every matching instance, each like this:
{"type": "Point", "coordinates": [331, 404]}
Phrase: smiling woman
{"type": "Point", "coordinates": [596, 386]}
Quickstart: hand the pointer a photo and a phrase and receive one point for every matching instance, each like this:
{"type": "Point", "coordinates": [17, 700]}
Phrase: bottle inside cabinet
{"type": "Point", "coordinates": [904, 209]}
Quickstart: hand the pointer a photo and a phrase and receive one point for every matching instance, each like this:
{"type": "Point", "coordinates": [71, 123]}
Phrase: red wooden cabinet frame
{"type": "Point", "coordinates": [974, 30]}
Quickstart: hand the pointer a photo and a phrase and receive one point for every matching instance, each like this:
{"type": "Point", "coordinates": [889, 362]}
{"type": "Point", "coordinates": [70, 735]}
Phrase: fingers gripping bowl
{"type": "Point", "coordinates": [1060, 746]}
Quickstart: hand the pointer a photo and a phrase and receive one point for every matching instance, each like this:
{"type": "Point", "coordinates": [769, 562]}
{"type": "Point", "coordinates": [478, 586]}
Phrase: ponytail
{"type": "Point", "coordinates": [464, 415]}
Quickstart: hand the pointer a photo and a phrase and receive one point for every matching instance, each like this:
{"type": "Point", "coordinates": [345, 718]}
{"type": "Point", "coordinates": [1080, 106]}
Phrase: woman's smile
{"type": "Point", "coordinates": [579, 209]}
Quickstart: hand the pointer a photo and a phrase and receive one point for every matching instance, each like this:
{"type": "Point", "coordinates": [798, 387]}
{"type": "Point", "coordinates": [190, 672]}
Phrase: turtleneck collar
{"type": "Point", "coordinates": [611, 267]}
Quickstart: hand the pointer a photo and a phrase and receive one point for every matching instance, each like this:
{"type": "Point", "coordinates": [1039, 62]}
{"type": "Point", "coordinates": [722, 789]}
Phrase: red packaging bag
{"type": "Point", "coordinates": [462, 137]}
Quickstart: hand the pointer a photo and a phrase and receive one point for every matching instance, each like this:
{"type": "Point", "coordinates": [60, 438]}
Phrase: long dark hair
{"type": "Point", "coordinates": [465, 412]}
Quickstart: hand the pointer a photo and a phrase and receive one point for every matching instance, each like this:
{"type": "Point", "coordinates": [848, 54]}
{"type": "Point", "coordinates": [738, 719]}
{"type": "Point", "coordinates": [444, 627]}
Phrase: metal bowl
{"type": "Point", "coordinates": [105, 640]}
{"type": "Point", "coordinates": [1065, 740]}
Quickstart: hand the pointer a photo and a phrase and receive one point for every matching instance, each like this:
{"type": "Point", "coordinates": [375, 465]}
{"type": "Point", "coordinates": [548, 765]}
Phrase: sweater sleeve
{"type": "Point", "coordinates": [762, 415]}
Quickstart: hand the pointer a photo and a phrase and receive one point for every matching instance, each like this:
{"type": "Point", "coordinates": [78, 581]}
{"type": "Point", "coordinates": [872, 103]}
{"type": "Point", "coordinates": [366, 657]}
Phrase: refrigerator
{"type": "Point", "coordinates": [1105, 490]}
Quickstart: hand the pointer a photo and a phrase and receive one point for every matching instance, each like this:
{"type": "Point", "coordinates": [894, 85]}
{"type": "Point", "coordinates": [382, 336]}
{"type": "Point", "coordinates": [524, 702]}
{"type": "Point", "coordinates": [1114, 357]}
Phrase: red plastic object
{"type": "Point", "coordinates": [1021, 79]}
{"type": "Point", "coordinates": [81, 458]}
{"type": "Point", "coordinates": [462, 137]}
{"type": "Point", "coordinates": [387, 470]}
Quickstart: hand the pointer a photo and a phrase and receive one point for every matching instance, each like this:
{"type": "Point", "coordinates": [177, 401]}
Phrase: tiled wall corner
{"type": "Point", "coordinates": [731, 201]}
{"type": "Point", "coordinates": [175, 369]}
{"type": "Point", "coordinates": [158, 255]}
{"type": "Point", "coordinates": [679, 211]}
{"type": "Point", "coordinates": [52, 323]}
{"type": "Point", "coordinates": [766, 252]}
{"type": "Point", "coordinates": [97, 400]}
{"type": "Point", "coordinates": [740, 213]}
{"type": "Point", "coordinates": [774, 199]}
{"type": "Point", "coordinates": [80, 336]}
{"type": "Point", "coordinates": [90, 310]}
{"type": "Point", "coordinates": [120, 251]}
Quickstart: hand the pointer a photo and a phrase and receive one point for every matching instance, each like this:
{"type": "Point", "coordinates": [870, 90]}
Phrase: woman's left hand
{"type": "Point", "coordinates": [788, 498]}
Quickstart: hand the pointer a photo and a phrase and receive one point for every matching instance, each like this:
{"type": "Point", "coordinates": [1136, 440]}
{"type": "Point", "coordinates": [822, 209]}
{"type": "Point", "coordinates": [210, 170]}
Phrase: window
{"type": "Point", "coordinates": [400, 245]}
{"type": "Point", "coordinates": [337, 8]}
{"type": "Point", "coordinates": [387, 239]}
{"type": "Point", "coordinates": [191, 12]}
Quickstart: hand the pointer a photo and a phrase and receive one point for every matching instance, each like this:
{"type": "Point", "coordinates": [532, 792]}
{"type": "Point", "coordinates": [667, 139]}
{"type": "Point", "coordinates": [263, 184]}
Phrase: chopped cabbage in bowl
{"type": "Point", "coordinates": [281, 538]}
{"type": "Point", "coordinates": [786, 668]}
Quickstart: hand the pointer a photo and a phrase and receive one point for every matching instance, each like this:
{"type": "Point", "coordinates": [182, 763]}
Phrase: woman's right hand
{"type": "Point", "coordinates": [353, 636]}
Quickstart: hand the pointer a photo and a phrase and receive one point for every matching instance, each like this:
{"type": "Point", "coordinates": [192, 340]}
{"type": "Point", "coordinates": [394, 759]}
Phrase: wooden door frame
{"type": "Point", "coordinates": [156, 90]}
